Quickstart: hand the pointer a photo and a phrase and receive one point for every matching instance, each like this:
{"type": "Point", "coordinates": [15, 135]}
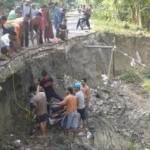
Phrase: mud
{"type": "Point", "coordinates": [115, 121]}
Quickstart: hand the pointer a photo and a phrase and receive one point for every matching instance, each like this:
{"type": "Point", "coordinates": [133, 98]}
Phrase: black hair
{"type": "Point", "coordinates": [38, 14]}
{"type": "Point", "coordinates": [12, 33]}
{"type": "Point", "coordinates": [56, 4]}
{"type": "Point", "coordinates": [3, 18]}
{"type": "Point", "coordinates": [44, 6]}
{"type": "Point", "coordinates": [32, 89]}
{"type": "Point", "coordinates": [84, 79]}
{"type": "Point", "coordinates": [44, 73]}
{"type": "Point", "coordinates": [70, 90]}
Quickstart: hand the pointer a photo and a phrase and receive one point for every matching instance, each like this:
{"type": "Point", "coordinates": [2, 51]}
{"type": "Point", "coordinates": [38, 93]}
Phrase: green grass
{"type": "Point", "coordinates": [146, 84]}
{"type": "Point", "coordinates": [117, 26]}
{"type": "Point", "coordinates": [131, 76]}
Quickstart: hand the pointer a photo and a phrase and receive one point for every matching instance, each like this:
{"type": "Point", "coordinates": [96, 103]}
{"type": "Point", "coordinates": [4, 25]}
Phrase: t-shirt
{"type": "Point", "coordinates": [12, 15]}
{"type": "Point", "coordinates": [26, 10]}
{"type": "Point", "coordinates": [71, 103]}
{"type": "Point", "coordinates": [5, 40]}
{"type": "Point", "coordinates": [40, 102]}
{"type": "Point", "coordinates": [80, 98]}
{"type": "Point", "coordinates": [47, 84]}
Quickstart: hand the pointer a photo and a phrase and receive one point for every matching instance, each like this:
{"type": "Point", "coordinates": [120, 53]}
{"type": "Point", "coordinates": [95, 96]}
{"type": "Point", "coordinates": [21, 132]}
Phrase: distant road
{"type": "Point", "coordinates": [72, 19]}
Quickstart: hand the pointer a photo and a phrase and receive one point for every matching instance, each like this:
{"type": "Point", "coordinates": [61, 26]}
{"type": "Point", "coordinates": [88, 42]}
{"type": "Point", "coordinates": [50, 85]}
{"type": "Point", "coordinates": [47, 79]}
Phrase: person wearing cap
{"type": "Point", "coordinates": [81, 102]}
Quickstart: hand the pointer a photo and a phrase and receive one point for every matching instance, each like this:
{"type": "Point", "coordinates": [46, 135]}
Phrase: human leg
{"type": "Point", "coordinates": [83, 116]}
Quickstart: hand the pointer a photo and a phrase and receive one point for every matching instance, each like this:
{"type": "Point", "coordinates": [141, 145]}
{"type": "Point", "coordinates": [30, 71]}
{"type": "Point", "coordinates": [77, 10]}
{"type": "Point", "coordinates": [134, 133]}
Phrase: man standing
{"type": "Point", "coordinates": [86, 90]}
{"type": "Point", "coordinates": [72, 117]}
{"type": "Point", "coordinates": [26, 10]}
{"type": "Point", "coordinates": [39, 107]}
{"type": "Point", "coordinates": [57, 18]}
{"type": "Point", "coordinates": [81, 102]}
{"type": "Point", "coordinates": [87, 13]}
{"type": "Point", "coordinates": [25, 31]}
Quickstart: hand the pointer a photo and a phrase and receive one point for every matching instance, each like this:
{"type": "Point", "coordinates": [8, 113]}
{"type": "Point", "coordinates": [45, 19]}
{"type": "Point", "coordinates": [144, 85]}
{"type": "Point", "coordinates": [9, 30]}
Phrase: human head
{"type": "Point", "coordinates": [38, 15]}
{"type": "Point", "coordinates": [70, 90]}
{"type": "Point", "coordinates": [32, 89]}
{"type": "Point", "coordinates": [56, 4]}
{"type": "Point", "coordinates": [27, 2]}
{"type": "Point", "coordinates": [33, 6]}
{"type": "Point", "coordinates": [44, 73]}
{"type": "Point", "coordinates": [3, 19]}
{"type": "Point", "coordinates": [84, 81]}
{"type": "Point", "coordinates": [77, 86]}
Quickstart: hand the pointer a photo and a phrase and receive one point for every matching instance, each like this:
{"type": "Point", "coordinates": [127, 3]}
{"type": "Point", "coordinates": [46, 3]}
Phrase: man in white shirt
{"type": "Point", "coordinates": [7, 43]}
{"type": "Point", "coordinates": [81, 102]}
{"type": "Point", "coordinates": [26, 8]}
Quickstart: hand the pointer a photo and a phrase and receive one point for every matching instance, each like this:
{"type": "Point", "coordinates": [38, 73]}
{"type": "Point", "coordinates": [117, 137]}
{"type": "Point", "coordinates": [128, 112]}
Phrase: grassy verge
{"type": "Point", "coordinates": [116, 26]}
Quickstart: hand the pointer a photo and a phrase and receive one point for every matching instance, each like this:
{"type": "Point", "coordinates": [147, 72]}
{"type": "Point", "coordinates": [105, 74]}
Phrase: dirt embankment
{"type": "Point", "coordinates": [119, 116]}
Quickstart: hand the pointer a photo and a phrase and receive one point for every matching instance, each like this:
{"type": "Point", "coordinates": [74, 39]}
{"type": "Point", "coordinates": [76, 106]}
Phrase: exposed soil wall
{"type": "Point", "coordinates": [72, 59]}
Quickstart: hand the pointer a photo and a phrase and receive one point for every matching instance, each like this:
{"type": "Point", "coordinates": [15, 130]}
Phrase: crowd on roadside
{"type": "Point", "coordinates": [70, 111]}
{"type": "Point", "coordinates": [27, 24]}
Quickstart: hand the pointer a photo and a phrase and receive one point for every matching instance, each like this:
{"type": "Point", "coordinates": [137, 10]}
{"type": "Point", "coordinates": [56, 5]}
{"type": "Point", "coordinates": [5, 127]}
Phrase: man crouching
{"type": "Point", "coordinates": [39, 107]}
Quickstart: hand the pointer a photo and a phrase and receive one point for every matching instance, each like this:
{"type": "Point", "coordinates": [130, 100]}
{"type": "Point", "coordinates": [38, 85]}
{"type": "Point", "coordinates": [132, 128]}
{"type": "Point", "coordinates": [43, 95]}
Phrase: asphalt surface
{"type": "Point", "coordinates": [72, 19]}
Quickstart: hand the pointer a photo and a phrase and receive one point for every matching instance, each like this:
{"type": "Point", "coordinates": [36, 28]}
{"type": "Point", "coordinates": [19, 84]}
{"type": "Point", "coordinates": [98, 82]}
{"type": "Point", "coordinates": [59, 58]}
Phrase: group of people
{"type": "Point", "coordinates": [75, 103]}
{"type": "Point", "coordinates": [85, 12]}
{"type": "Point", "coordinates": [27, 23]}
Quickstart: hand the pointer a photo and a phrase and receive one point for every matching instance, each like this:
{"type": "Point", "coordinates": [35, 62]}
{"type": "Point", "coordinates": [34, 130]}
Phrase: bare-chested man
{"type": "Point", "coordinates": [86, 90]}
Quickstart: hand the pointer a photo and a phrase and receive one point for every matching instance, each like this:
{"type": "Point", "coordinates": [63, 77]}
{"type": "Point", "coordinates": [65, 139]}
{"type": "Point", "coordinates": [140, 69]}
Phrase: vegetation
{"type": "Point", "coordinates": [130, 11]}
{"type": "Point", "coordinates": [146, 84]}
{"type": "Point", "coordinates": [131, 76]}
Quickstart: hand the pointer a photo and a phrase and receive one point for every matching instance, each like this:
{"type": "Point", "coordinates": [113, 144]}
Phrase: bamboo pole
{"type": "Point", "coordinates": [112, 61]}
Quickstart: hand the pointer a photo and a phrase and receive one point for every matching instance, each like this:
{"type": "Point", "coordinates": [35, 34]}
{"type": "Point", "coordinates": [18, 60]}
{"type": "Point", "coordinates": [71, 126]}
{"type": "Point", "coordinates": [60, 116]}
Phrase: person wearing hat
{"type": "Point", "coordinates": [81, 102]}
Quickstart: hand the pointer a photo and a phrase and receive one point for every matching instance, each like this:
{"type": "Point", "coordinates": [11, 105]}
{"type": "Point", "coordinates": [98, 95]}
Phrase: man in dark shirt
{"type": "Point", "coordinates": [47, 84]}
{"type": "Point", "coordinates": [25, 31]}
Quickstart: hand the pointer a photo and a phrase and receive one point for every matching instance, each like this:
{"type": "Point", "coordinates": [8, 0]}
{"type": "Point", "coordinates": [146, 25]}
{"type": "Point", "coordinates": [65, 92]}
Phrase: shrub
{"type": "Point", "coordinates": [146, 84]}
{"type": "Point", "coordinates": [130, 77]}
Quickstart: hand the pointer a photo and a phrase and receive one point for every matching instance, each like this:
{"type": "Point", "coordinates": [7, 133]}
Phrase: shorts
{"type": "Point", "coordinates": [82, 113]}
{"type": "Point", "coordinates": [42, 118]}
{"type": "Point", "coordinates": [72, 120]}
